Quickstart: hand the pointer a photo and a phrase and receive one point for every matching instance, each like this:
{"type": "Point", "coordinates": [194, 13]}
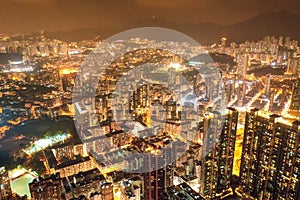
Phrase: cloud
{"type": "Point", "coordinates": [33, 15]}
{"type": "Point", "coordinates": [170, 3]}
{"type": "Point", "coordinates": [34, 1]}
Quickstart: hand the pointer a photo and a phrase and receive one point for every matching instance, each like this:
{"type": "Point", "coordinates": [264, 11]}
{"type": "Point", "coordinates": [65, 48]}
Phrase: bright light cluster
{"type": "Point", "coordinates": [46, 142]}
{"type": "Point", "coordinates": [19, 69]}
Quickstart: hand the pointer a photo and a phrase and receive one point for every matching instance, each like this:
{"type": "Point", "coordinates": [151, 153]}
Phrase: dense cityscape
{"type": "Point", "coordinates": [238, 142]}
{"type": "Point", "coordinates": [149, 100]}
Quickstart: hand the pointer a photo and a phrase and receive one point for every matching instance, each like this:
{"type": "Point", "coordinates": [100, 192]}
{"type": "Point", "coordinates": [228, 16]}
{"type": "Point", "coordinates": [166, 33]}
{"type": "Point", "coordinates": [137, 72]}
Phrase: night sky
{"type": "Point", "coordinates": [35, 15]}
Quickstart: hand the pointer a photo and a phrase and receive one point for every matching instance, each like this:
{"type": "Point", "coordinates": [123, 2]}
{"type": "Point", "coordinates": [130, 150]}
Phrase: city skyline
{"type": "Point", "coordinates": [149, 100]}
{"type": "Point", "coordinates": [198, 149]}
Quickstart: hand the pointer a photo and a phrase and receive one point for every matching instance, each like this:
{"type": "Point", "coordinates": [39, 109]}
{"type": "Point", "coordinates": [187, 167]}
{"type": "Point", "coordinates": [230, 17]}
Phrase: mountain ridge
{"type": "Point", "coordinates": [275, 23]}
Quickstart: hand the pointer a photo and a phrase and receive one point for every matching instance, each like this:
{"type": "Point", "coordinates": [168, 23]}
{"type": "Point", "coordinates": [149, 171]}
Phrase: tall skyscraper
{"type": "Point", "coordinates": [218, 147]}
{"type": "Point", "coordinates": [156, 180]}
{"type": "Point", "coordinates": [82, 115]}
{"type": "Point", "coordinates": [268, 85]}
{"type": "Point", "coordinates": [270, 158]}
{"type": "Point", "coordinates": [141, 95]}
{"type": "Point", "coordinates": [295, 104]}
{"type": "Point", "coordinates": [293, 66]}
{"type": "Point", "coordinates": [242, 60]}
{"type": "Point", "coordinates": [241, 92]}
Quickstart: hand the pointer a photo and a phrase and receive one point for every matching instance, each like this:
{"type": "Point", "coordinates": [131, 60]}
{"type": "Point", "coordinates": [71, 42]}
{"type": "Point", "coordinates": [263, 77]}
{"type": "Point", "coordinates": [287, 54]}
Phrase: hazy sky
{"type": "Point", "coordinates": [36, 15]}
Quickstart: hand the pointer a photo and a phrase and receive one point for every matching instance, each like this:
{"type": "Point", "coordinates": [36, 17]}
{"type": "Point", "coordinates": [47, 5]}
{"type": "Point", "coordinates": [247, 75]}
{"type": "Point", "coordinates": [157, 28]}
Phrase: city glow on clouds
{"type": "Point", "coordinates": [168, 4]}
{"type": "Point", "coordinates": [34, 1]}
{"type": "Point", "coordinates": [62, 15]}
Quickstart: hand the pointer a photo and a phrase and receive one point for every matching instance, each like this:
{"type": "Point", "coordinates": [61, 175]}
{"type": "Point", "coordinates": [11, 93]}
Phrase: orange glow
{"type": "Point", "coordinates": [15, 122]}
{"type": "Point", "coordinates": [238, 152]}
{"type": "Point", "coordinates": [67, 71]}
{"type": "Point", "coordinates": [3, 129]}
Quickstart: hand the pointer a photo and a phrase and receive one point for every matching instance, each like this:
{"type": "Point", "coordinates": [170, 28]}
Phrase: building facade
{"type": "Point", "coordinates": [45, 189]}
{"type": "Point", "coordinates": [218, 153]}
{"type": "Point", "coordinates": [270, 158]}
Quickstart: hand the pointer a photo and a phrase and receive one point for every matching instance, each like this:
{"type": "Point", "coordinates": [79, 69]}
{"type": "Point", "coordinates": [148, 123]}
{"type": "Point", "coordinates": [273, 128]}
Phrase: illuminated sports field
{"type": "Point", "coordinates": [20, 185]}
{"type": "Point", "coordinates": [21, 179]}
{"type": "Point", "coordinates": [46, 142]}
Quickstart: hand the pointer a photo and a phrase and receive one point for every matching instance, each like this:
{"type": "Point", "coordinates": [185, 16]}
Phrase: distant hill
{"type": "Point", "coordinates": [267, 23]}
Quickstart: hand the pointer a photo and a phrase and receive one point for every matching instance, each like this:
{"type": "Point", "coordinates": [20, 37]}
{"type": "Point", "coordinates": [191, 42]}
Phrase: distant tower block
{"type": "Point", "coordinates": [241, 94]}
{"type": "Point", "coordinates": [268, 85]}
{"type": "Point", "coordinates": [293, 66]}
{"type": "Point", "coordinates": [177, 59]}
{"type": "Point", "coordinates": [223, 42]}
{"type": "Point", "coordinates": [245, 65]}
{"type": "Point", "coordinates": [280, 42]}
{"type": "Point", "coordinates": [242, 66]}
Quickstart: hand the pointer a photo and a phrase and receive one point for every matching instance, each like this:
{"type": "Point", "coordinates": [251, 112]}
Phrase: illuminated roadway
{"type": "Point", "coordinates": [254, 98]}
{"type": "Point", "coordinates": [267, 106]}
